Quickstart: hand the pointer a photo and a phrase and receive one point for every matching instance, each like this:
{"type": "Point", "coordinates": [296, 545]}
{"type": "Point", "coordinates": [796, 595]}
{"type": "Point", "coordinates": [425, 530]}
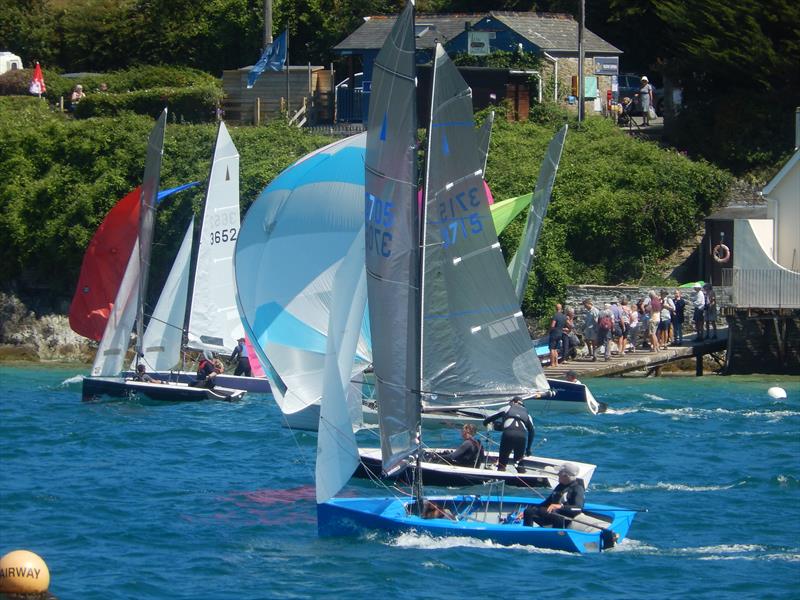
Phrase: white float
{"type": "Point", "coordinates": [778, 393]}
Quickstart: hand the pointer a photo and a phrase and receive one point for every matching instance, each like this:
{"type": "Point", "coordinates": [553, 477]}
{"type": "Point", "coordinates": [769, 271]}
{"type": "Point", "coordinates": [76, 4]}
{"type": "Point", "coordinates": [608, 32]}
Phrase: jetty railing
{"type": "Point", "coordinates": [762, 288]}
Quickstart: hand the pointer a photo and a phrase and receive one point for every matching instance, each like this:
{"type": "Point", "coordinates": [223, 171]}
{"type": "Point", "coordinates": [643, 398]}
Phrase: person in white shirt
{"type": "Point", "coordinates": [699, 304]}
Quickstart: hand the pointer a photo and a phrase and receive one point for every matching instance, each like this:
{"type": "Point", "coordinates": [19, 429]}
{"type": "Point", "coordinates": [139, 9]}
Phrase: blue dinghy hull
{"type": "Point", "coordinates": [485, 518]}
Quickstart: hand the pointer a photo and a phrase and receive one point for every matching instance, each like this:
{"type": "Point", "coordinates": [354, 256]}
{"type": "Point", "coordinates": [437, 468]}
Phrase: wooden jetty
{"type": "Point", "coordinates": [640, 360]}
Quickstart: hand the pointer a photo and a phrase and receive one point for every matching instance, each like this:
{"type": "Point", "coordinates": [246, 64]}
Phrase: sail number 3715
{"type": "Point", "coordinates": [379, 221]}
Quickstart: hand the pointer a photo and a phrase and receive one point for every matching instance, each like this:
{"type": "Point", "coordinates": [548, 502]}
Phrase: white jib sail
{"type": "Point", "coordinates": [214, 322]}
{"type": "Point", "coordinates": [163, 337]}
{"type": "Point", "coordinates": [117, 335]}
{"type": "Point", "coordinates": [337, 451]}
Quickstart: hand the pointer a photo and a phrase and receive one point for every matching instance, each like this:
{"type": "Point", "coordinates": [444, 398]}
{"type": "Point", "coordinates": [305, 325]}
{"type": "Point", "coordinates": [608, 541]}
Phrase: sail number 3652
{"type": "Point", "coordinates": [222, 236]}
{"type": "Point", "coordinates": [379, 221]}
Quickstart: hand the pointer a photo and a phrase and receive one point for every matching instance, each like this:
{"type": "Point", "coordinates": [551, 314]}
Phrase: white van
{"type": "Point", "coordinates": [9, 62]}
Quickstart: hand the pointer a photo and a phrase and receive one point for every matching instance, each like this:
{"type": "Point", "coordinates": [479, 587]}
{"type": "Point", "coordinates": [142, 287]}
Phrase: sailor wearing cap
{"type": "Point", "coordinates": [562, 505]}
{"type": "Point", "coordinates": [517, 426]}
{"type": "Point", "coordinates": [240, 353]}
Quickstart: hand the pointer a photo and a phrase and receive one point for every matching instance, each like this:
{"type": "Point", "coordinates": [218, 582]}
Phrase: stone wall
{"type": "Point", "coordinates": [754, 344]}
{"type": "Point", "coordinates": [26, 336]}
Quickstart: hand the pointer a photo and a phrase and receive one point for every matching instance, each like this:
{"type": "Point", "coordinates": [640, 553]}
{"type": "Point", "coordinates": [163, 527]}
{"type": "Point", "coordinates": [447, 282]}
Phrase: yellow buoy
{"type": "Point", "coordinates": [23, 572]}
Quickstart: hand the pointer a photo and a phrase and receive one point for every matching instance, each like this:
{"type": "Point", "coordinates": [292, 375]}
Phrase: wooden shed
{"type": "Point", "coordinates": [308, 86]}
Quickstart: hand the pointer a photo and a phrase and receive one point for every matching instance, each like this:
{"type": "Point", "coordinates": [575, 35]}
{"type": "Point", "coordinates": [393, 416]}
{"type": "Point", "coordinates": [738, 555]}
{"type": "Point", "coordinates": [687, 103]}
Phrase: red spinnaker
{"type": "Point", "coordinates": [103, 267]}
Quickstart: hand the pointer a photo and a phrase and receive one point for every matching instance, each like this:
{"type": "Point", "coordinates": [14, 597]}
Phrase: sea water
{"type": "Point", "coordinates": [138, 499]}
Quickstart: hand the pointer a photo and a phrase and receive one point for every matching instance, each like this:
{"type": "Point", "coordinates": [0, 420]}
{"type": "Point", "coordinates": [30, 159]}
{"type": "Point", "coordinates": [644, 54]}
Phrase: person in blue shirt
{"type": "Point", "coordinates": [243, 366]}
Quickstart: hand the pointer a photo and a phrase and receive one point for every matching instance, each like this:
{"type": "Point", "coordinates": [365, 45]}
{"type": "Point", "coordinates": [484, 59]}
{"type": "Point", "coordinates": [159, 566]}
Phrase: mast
{"type": "Point", "coordinates": [152, 172]}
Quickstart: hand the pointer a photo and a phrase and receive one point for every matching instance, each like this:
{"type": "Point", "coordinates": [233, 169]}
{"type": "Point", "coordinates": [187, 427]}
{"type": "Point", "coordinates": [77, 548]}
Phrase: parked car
{"type": "Point", "coordinates": [629, 84]}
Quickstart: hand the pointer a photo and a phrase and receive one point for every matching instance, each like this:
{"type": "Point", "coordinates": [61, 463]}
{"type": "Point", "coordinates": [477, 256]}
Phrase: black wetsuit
{"type": "Point", "coordinates": [569, 496]}
{"type": "Point", "coordinates": [468, 454]}
{"type": "Point", "coordinates": [517, 428]}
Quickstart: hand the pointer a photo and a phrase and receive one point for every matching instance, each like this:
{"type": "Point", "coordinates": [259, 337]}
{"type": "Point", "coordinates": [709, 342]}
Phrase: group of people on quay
{"type": "Point", "coordinates": [651, 323]}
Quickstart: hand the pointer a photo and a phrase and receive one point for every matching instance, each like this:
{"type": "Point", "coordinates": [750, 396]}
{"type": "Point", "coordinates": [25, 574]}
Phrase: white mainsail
{"type": "Point", "coordinates": [164, 333]}
{"type": "Point", "coordinates": [214, 322]}
{"type": "Point", "coordinates": [116, 338]}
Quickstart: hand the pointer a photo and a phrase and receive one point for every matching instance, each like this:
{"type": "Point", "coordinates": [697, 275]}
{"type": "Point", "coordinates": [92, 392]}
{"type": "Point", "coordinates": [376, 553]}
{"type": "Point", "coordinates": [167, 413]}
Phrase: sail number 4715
{"type": "Point", "coordinates": [379, 221]}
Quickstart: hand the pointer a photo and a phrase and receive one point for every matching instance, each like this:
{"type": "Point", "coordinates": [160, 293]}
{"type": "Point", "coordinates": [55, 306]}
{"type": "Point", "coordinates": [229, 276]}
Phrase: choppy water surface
{"type": "Point", "coordinates": [135, 499]}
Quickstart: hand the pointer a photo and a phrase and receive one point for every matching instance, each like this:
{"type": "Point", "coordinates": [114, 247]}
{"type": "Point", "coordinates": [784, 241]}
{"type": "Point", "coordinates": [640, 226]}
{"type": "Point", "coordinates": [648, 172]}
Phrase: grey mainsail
{"type": "Point", "coordinates": [152, 175]}
{"type": "Point", "coordinates": [392, 241]}
{"type": "Point", "coordinates": [520, 265]}
{"type": "Point", "coordinates": [476, 345]}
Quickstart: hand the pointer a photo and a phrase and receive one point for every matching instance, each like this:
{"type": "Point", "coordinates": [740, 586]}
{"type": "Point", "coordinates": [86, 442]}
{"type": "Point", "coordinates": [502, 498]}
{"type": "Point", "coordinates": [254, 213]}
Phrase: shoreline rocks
{"type": "Point", "coordinates": [26, 336]}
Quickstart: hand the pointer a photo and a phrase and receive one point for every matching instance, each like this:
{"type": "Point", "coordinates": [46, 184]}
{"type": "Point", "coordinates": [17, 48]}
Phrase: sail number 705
{"type": "Point", "coordinates": [379, 222]}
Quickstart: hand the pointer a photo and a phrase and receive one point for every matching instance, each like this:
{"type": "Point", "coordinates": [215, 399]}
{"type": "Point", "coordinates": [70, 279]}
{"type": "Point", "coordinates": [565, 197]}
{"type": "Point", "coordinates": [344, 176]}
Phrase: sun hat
{"type": "Point", "coordinates": [644, 78]}
{"type": "Point", "coordinates": [569, 469]}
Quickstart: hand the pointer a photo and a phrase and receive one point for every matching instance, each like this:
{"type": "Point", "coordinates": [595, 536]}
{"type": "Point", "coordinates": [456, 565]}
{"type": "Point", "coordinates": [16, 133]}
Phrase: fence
{"type": "Point", "coordinates": [763, 288]}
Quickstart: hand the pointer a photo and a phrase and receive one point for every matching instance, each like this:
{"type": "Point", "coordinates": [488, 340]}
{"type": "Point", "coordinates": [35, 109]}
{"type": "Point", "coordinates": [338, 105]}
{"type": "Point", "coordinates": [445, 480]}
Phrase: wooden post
{"type": "Point", "coordinates": [698, 365]}
{"type": "Point", "coordinates": [257, 115]}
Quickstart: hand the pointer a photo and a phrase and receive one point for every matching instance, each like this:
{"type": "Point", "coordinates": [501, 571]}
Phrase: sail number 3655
{"type": "Point", "coordinates": [222, 236]}
{"type": "Point", "coordinates": [379, 221]}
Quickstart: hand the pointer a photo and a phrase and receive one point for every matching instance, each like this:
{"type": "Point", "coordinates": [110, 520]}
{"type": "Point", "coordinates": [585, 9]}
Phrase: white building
{"type": "Point", "coordinates": [9, 62]}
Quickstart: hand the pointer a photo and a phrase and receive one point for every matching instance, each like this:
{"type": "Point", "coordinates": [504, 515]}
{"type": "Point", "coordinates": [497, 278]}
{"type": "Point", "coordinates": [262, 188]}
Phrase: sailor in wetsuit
{"type": "Point", "coordinates": [206, 372]}
{"type": "Point", "coordinates": [517, 427]}
{"type": "Point", "coordinates": [566, 500]}
{"type": "Point", "coordinates": [243, 366]}
{"type": "Point", "coordinates": [469, 453]}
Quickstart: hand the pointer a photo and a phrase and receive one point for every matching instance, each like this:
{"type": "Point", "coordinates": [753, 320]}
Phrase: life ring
{"type": "Point", "coordinates": [721, 253]}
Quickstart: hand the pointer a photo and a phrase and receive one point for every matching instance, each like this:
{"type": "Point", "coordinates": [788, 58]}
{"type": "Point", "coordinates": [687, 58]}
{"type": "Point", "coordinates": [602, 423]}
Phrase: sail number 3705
{"type": "Point", "coordinates": [379, 221]}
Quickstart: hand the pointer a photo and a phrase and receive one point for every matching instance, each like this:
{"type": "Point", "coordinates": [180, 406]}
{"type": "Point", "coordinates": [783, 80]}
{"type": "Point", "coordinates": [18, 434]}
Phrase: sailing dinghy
{"type": "Point", "coordinates": [128, 306]}
{"type": "Point", "coordinates": [213, 319]}
{"type": "Point", "coordinates": [436, 267]}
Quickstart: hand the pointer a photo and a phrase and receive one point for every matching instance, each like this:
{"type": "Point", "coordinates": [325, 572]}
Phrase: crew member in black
{"type": "Point", "coordinates": [469, 453]}
{"type": "Point", "coordinates": [517, 426]}
{"type": "Point", "coordinates": [206, 372]}
{"type": "Point", "coordinates": [566, 500]}
{"type": "Point", "coordinates": [243, 364]}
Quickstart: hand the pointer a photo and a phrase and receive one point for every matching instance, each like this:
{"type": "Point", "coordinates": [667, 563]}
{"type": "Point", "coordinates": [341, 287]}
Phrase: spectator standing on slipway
{"type": "Point", "coordinates": [557, 325]}
{"type": "Point", "coordinates": [633, 328]}
{"type": "Point", "coordinates": [711, 311]}
{"type": "Point", "coordinates": [699, 304]}
{"type": "Point", "coordinates": [679, 317]}
{"type": "Point", "coordinates": [590, 326]}
{"type": "Point", "coordinates": [653, 306]}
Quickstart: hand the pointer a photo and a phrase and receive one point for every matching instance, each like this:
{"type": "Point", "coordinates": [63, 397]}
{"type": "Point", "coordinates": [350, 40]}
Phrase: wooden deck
{"type": "Point", "coordinates": [584, 367]}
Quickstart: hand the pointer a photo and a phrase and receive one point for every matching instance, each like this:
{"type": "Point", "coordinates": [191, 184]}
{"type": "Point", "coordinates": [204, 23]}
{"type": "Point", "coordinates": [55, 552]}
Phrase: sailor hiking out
{"type": "Point", "coordinates": [518, 432]}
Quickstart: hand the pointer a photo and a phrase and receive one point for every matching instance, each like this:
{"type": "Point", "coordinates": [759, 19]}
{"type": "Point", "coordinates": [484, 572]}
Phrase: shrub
{"type": "Point", "coordinates": [192, 104]}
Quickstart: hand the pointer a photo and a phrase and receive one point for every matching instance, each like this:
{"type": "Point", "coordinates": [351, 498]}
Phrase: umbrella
{"type": "Point", "coordinates": [692, 284]}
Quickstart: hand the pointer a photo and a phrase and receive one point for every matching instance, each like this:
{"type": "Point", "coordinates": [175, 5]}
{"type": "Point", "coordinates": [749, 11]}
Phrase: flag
{"type": "Point", "coordinates": [272, 59]}
{"type": "Point", "coordinates": [37, 83]}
